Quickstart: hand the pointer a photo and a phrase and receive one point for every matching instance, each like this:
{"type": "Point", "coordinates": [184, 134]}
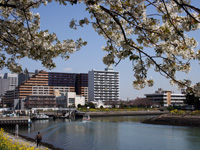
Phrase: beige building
{"type": "Point", "coordinates": [166, 98]}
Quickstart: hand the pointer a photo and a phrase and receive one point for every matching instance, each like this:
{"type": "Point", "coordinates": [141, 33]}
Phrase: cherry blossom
{"type": "Point", "coordinates": [21, 36]}
{"type": "Point", "coordinates": [151, 33]}
{"type": "Point", "coordinates": [131, 28]}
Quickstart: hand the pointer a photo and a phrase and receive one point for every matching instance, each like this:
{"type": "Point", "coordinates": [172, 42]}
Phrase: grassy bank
{"type": "Point", "coordinates": [84, 109]}
{"type": "Point", "coordinates": [183, 112]}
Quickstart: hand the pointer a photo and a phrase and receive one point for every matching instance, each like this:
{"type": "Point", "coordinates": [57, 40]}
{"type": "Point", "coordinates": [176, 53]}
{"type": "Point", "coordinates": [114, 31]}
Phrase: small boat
{"type": "Point", "coordinates": [40, 117]}
{"type": "Point", "coordinates": [86, 118]}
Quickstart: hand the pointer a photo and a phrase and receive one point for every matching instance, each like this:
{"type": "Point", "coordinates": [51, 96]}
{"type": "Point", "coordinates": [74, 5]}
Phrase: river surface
{"type": "Point", "coordinates": [114, 133]}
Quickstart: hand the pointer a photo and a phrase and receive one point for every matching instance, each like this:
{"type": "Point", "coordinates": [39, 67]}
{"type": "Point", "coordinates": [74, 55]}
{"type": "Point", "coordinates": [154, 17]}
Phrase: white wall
{"type": "Point", "coordinates": [79, 100]}
{"type": "Point", "coordinates": [71, 94]}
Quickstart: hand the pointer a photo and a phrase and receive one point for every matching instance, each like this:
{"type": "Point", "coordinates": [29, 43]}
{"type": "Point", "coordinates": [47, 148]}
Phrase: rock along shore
{"type": "Point", "coordinates": [176, 120]}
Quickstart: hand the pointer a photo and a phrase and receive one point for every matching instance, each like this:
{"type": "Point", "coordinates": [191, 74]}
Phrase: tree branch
{"type": "Point", "coordinates": [116, 20]}
{"type": "Point", "coordinates": [170, 20]}
{"type": "Point", "coordinates": [7, 5]}
{"type": "Point", "coordinates": [192, 7]}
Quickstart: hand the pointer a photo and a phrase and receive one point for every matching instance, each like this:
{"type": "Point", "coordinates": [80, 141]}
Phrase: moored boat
{"type": "Point", "coordinates": [40, 117]}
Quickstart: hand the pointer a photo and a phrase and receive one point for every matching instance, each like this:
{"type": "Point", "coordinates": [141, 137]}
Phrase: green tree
{"type": "Point", "coordinates": [121, 105]}
{"type": "Point", "coordinates": [79, 105]}
{"type": "Point", "coordinates": [192, 99]}
{"type": "Point", "coordinates": [91, 105]}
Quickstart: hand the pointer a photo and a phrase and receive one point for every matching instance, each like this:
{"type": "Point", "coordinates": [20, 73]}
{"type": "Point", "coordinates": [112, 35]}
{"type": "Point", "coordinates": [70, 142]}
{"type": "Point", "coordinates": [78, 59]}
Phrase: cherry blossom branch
{"type": "Point", "coordinates": [192, 7]}
{"type": "Point", "coordinates": [170, 20]}
{"type": "Point", "coordinates": [116, 20]}
{"type": "Point", "coordinates": [27, 23]}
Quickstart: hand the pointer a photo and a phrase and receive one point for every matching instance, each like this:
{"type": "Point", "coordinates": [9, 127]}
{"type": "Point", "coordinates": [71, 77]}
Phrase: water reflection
{"type": "Point", "coordinates": [116, 119]}
{"type": "Point", "coordinates": [114, 133]}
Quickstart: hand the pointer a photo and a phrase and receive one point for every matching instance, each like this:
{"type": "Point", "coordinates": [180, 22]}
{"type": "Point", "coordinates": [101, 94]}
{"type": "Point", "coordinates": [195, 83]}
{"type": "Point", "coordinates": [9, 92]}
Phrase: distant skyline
{"type": "Point", "coordinates": [56, 18]}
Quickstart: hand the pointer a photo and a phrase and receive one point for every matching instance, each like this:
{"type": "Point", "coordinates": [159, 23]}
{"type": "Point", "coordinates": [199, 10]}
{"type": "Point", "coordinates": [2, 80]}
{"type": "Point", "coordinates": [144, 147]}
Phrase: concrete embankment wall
{"type": "Point", "coordinates": [124, 113]}
{"type": "Point", "coordinates": [5, 121]}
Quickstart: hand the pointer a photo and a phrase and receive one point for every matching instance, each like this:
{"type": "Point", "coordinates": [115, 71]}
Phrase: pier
{"type": "Point", "coordinates": [7, 121]}
{"type": "Point", "coordinates": [70, 113]}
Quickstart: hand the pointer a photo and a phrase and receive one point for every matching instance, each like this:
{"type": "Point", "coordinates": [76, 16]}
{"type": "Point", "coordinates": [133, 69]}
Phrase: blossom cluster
{"type": "Point", "coordinates": [149, 33]}
{"type": "Point", "coordinates": [21, 36]}
{"type": "Point", "coordinates": [152, 34]}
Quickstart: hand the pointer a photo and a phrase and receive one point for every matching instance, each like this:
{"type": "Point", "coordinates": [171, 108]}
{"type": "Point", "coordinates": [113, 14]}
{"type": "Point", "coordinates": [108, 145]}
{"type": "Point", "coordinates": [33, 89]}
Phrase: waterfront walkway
{"type": "Point", "coordinates": [19, 139]}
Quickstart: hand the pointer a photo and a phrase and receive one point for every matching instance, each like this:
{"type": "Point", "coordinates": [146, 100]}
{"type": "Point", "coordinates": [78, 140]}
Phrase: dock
{"type": "Point", "coordinates": [4, 121]}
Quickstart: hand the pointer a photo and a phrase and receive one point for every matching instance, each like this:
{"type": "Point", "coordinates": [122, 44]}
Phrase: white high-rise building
{"type": "Point", "coordinates": [103, 85]}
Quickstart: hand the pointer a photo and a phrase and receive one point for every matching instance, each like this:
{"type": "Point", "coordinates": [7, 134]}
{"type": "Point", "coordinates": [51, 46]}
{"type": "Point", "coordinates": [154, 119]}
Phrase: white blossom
{"type": "Point", "coordinates": [130, 28]}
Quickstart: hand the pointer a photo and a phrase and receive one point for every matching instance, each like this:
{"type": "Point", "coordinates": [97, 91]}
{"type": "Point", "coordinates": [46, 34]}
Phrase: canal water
{"type": "Point", "coordinates": [114, 133]}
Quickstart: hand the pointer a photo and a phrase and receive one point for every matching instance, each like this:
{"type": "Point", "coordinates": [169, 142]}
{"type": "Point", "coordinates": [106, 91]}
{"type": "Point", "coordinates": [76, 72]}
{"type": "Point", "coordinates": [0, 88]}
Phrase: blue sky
{"type": "Point", "coordinates": [56, 19]}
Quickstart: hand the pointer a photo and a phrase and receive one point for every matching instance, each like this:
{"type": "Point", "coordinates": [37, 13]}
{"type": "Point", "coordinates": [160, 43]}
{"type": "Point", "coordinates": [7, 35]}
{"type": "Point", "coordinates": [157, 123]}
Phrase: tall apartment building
{"type": "Point", "coordinates": [103, 85]}
{"type": "Point", "coordinates": [25, 76]}
{"type": "Point", "coordinates": [73, 82]}
{"type": "Point", "coordinates": [82, 85]}
{"type": "Point", "coordinates": [166, 98]}
{"type": "Point", "coordinates": [8, 81]}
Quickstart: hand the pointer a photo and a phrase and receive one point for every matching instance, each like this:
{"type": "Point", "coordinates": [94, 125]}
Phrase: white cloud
{"type": "Point", "coordinates": [67, 69]}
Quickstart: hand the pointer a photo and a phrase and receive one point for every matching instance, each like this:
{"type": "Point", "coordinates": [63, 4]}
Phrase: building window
{"type": "Point", "coordinates": [72, 100]}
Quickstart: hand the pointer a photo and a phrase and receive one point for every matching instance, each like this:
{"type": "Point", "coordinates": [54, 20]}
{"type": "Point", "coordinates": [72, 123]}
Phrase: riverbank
{"type": "Point", "coordinates": [31, 142]}
{"type": "Point", "coordinates": [175, 120]}
{"type": "Point", "coordinates": [161, 114]}
{"type": "Point", "coordinates": [124, 113]}
{"type": "Point", "coordinates": [23, 141]}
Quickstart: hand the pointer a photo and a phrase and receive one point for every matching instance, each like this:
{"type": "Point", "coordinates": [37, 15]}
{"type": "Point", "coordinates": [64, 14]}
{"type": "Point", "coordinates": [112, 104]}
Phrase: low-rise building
{"type": "Point", "coordinates": [69, 99]}
{"type": "Point", "coordinates": [166, 98]}
{"type": "Point", "coordinates": [99, 104]}
{"type": "Point", "coordinates": [40, 101]}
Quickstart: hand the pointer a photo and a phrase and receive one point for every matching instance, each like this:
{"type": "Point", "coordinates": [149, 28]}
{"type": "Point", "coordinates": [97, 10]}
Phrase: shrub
{"type": "Point", "coordinates": [170, 108]}
{"type": "Point", "coordinates": [177, 112]}
{"type": "Point", "coordinates": [79, 105]}
{"type": "Point", "coordinates": [92, 109]}
{"type": "Point", "coordinates": [8, 144]}
{"type": "Point", "coordinates": [91, 105]}
{"type": "Point", "coordinates": [181, 112]}
{"type": "Point", "coordinates": [195, 112]}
